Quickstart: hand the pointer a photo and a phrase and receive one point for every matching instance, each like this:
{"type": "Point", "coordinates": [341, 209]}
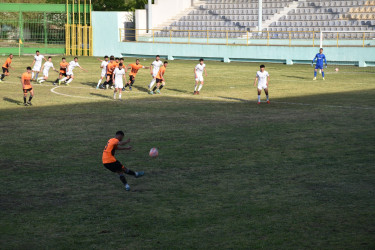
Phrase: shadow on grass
{"type": "Point", "coordinates": [12, 100]}
{"type": "Point", "coordinates": [140, 88]}
{"type": "Point", "coordinates": [234, 99]}
{"type": "Point", "coordinates": [297, 77]}
{"type": "Point", "coordinates": [101, 95]}
{"type": "Point", "coordinates": [181, 91]}
{"type": "Point", "coordinates": [90, 84]}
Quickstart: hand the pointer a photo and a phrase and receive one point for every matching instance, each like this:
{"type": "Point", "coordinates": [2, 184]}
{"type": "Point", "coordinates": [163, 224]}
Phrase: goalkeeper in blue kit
{"type": "Point", "coordinates": [320, 57]}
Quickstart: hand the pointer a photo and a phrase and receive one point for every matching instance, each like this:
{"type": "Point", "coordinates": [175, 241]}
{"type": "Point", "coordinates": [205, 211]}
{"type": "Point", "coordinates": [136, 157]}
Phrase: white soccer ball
{"type": "Point", "coordinates": [154, 152]}
{"type": "Point", "coordinates": [337, 69]}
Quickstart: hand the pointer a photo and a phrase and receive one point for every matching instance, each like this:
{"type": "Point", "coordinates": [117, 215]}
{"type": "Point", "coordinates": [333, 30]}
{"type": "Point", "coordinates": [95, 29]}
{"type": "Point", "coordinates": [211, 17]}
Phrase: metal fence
{"type": "Point", "coordinates": [248, 38]}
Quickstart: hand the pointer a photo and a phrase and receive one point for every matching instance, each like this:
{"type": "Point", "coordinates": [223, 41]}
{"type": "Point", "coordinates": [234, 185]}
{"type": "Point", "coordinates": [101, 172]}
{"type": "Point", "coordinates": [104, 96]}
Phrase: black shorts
{"type": "Point", "coordinates": [63, 74]}
{"type": "Point", "coordinates": [159, 80]}
{"type": "Point", "coordinates": [27, 90]}
{"type": "Point", "coordinates": [114, 166]}
{"type": "Point", "coordinates": [5, 70]}
{"type": "Point", "coordinates": [132, 79]}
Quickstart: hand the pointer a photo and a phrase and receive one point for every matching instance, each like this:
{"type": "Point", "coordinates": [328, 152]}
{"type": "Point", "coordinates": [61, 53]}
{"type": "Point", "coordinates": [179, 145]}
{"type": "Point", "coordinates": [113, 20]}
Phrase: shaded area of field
{"type": "Point", "coordinates": [230, 174]}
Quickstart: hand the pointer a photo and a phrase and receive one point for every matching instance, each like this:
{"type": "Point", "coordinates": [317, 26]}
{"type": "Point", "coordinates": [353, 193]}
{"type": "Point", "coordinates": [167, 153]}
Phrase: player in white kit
{"type": "Point", "coordinates": [46, 66]}
{"type": "Point", "coordinates": [118, 77]}
{"type": "Point", "coordinates": [69, 74]}
{"type": "Point", "coordinates": [103, 66]}
{"type": "Point", "coordinates": [263, 78]}
{"type": "Point", "coordinates": [37, 65]}
{"type": "Point", "coordinates": [198, 71]}
{"type": "Point", "coordinates": [154, 69]}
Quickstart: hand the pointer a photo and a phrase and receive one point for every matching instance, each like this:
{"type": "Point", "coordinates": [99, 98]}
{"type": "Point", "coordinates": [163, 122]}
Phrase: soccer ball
{"type": "Point", "coordinates": [154, 152]}
{"type": "Point", "coordinates": [337, 69]}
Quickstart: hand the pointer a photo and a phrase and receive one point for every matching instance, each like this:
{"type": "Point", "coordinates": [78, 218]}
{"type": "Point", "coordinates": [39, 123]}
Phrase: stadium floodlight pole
{"type": "Point", "coordinates": [149, 16]}
{"type": "Point", "coordinates": [260, 12]}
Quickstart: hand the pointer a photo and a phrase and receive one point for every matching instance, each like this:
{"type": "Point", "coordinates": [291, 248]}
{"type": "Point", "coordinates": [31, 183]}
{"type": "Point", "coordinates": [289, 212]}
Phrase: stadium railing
{"type": "Point", "coordinates": [250, 38]}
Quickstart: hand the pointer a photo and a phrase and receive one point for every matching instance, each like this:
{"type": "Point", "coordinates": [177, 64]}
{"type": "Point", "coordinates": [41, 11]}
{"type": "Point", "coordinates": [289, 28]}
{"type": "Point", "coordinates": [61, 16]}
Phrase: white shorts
{"type": "Point", "coordinates": [199, 78]}
{"type": "Point", "coordinates": [262, 86]}
{"type": "Point", "coordinates": [103, 74]}
{"type": "Point", "coordinates": [45, 73]}
{"type": "Point", "coordinates": [69, 73]}
{"type": "Point", "coordinates": [36, 67]}
{"type": "Point", "coordinates": [119, 85]}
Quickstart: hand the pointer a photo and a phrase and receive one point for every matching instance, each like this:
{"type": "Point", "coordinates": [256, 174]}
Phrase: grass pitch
{"type": "Point", "coordinates": [297, 173]}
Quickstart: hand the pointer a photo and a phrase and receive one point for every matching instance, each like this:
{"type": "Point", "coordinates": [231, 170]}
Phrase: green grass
{"type": "Point", "coordinates": [298, 173]}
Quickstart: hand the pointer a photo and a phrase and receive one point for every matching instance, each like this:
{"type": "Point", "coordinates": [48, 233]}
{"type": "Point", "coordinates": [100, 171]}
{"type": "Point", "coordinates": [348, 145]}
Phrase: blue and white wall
{"type": "Point", "coordinates": [107, 42]}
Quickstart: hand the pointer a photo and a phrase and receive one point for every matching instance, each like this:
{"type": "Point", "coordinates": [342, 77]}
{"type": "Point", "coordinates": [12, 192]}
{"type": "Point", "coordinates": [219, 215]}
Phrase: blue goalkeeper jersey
{"type": "Point", "coordinates": [319, 59]}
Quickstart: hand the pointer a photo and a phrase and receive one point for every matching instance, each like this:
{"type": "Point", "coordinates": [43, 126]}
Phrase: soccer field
{"type": "Point", "coordinates": [294, 174]}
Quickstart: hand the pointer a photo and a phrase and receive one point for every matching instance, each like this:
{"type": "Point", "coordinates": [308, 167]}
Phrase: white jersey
{"type": "Point", "coordinates": [199, 69]}
{"type": "Point", "coordinates": [104, 68]}
{"type": "Point", "coordinates": [262, 79]}
{"type": "Point", "coordinates": [155, 67]}
{"type": "Point", "coordinates": [71, 67]}
{"type": "Point", "coordinates": [119, 74]}
{"type": "Point", "coordinates": [46, 67]}
{"type": "Point", "coordinates": [38, 62]}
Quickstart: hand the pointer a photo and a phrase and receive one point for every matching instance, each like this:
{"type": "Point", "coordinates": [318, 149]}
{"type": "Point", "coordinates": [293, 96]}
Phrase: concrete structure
{"type": "Point", "coordinates": [107, 42]}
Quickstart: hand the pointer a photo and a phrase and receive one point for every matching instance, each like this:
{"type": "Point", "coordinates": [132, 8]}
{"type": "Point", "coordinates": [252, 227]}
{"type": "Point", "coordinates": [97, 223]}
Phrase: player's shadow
{"type": "Point", "coordinates": [101, 95]}
{"type": "Point", "coordinates": [140, 88]}
{"type": "Point", "coordinates": [180, 91]}
{"type": "Point", "coordinates": [298, 77]}
{"type": "Point", "coordinates": [233, 98]}
{"type": "Point", "coordinates": [12, 100]}
{"type": "Point", "coordinates": [90, 84]}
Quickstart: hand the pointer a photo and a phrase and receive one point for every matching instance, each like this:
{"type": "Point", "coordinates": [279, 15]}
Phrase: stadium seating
{"type": "Point", "coordinates": [239, 16]}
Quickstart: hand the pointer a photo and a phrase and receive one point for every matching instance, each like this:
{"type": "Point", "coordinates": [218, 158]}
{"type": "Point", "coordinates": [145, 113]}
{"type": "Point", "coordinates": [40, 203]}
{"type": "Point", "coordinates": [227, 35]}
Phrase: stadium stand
{"type": "Point", "coordinates": [240, 16]}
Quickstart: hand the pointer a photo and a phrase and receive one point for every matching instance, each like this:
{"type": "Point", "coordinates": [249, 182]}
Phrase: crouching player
{"type": "Point", "coordinates": [110, 162]}
{"type": "Point", "coordinates": [262, 78]}
{"type": "Point", "coordinates": [160, 83]}
{"type": "Point", "coordinates": [26, 86]}
{"type": "Point", "coordinates": [118, 77]}
{"type": "Point", "coordinates": [63, 68]}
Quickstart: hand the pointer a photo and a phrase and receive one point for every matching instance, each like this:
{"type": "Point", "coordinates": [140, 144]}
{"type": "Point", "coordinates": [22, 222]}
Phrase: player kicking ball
{"type": "Point", "coordinates": [134, 67]}
{"type": "Point", "coordinates": [26, 86]}
{"type": "Point", "coordinates": [320, 57]}
{"type": "Point", "coordinates": [6, 66]}
{"type": "Point", "coordinates": [263, 78]}
{"type": "Point", "coordinates": [63, 69]}
{"type": "Point", "coordinates": [45, 69]}
{"type": "Point", "coordinates": [160, 83]}
{"type": "Point", "coordinates": [118, 77]}
{"type": "Point", "coordinates": [110, 162]}
{"type": "Point", "coordinates": [198, 71]}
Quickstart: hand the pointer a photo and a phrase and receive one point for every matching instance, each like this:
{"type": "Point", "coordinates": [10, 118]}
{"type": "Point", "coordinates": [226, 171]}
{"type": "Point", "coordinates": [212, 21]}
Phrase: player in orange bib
{"type": "Point", "coordinates": [160, 83]}
{"type": "Point", "coordinates": [63, 68]}
{"type": "Point", "coordinates": [133, 72]}
{"type": "Point", "coordinates": [110, 68]}
{"type": "Point", "coordinates": [6, 67]}
{"type": "Point", "coordinates": [110, 162]}
{"type": "Point", "coordinates": [26, 86]}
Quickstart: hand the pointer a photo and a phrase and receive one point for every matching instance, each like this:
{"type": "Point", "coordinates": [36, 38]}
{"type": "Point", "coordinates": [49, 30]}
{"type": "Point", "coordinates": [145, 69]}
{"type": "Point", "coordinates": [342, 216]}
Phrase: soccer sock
{"type": "Point", "coordinates": [114, 95]}
{"type": "Point", "coordinates": [30, 97]}
{"type": "Point", "coordinates": [32, 75]}
{"type": "Point", "coordinates": [119, 96]}
{"type": "Point", "coordinates": [196, 87]}
{"type": "Point", "coordinates": [258, 98]}
{"type": "Point", "coordinates": [42, 80]}
{"type": "Point", "coordinates": [36, 75]}
{"type": "Point", "coordinates": [154, 88]}
{"type": "Point", "coordinates": [123, 179]}
{"type": "Point", "coordinates": [24, 99]}
{"type": "Point", "coordinates": [99, 82]}
{"type": "Point", "coordinates": [130, 172]}
{"type": "Point", "coordinates": [64, 79]}
{"type": "Point", "coordinates": [69, 81]}
{"type": "Point", "coordinates": [200, 87]}
{"type": "Point", "coordinates": [315, 73]}
{"type": "Point", "coordinates": [152, 83]}
{"type": "Point", "coordinates": [57, 80]}
{"type": "Point", "coordinates": [2, 76]}
{"type": "Point", "coordinates": [127, 85]}
{"type": "Point", "coordinates": [161, 86]}
{"type": "Point", "coordinates": [323, 74]}
{"type": "Point", "coordinates": [268, 98]}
